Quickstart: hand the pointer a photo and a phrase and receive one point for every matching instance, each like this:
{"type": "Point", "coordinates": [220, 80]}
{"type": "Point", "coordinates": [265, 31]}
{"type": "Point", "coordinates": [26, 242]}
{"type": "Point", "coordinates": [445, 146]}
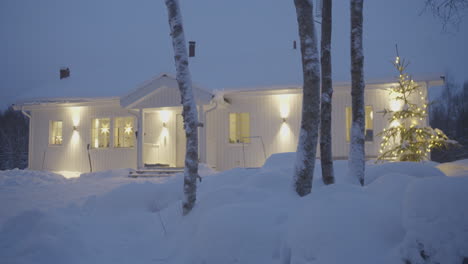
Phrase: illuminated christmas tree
{"type": "Point", "coordinates": [408, 137]}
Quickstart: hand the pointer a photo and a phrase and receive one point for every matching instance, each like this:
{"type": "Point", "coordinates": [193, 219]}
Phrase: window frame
{"type": "Point", "coordinates": [240, 142]}
{"type": "Point", "coordinates": [349, 124]}
{"type": "Point", "coordinates": [115, 129]}
{"type": "Point", "coordinates": [51, 129]}
{"type": "Point", "coordinates": [92, 128]}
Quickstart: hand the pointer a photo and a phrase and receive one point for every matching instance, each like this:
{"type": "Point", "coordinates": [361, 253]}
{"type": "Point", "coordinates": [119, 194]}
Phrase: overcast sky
{"type": "Point", "coordinates": [111, 46]}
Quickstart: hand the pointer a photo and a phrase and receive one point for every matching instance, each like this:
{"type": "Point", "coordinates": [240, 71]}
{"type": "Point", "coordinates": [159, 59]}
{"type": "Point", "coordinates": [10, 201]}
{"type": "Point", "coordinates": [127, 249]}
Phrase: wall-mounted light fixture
{"type": "Point", "coordinates": [75, 128]}
{"type": "Point", "coordinates": [284, 119]}
{"type": "Point", "coordinates": [164, 115]}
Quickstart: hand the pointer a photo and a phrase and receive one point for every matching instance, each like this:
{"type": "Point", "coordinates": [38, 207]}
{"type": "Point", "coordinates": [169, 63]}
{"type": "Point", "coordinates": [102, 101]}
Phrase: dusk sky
{"type": "Point", "coordinates": [113, 46]}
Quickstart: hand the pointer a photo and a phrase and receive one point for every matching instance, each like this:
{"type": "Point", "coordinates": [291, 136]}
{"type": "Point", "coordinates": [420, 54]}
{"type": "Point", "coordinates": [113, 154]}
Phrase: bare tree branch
{"type": "Point", "coordinates": [450, 12]}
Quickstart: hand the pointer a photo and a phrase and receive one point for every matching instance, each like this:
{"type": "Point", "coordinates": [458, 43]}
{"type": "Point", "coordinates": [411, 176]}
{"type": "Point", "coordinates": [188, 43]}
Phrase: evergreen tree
{"type": "Point", "coordinates": [409, 138]}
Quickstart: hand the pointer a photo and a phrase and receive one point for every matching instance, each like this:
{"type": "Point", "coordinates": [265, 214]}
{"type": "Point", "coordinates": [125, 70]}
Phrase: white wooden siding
{"type": "Point", "coordinates": [267, 123]}
{"type": "Point", "coordinates": [72, 155]}
{"type": "Point", "coordinates": [265, 108]}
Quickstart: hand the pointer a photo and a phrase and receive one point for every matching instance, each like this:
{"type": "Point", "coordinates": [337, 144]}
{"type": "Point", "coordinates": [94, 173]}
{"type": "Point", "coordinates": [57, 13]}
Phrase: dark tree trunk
{"type": "Point", "coordinates": [307, 146]}
{"type": "Point", "coordinates": [357, 152]}
{"type": "Point", "coordinates": [188, 103]}
{"type": "Point", "coordinates": [326, 156]}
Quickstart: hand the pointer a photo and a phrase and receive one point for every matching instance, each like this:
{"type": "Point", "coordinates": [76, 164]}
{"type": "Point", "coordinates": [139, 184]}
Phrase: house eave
{"type": "Point", "coordinates": [64, 102]}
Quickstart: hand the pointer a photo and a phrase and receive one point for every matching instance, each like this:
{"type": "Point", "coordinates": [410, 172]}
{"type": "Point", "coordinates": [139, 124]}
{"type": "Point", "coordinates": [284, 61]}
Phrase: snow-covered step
{"type": "Point", "coordinates": [155, 172]}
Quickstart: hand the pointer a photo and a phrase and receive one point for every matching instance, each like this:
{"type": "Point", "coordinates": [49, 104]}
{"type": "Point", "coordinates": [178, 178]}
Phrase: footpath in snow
{"type": "Point", "coordinates": [406, 212]}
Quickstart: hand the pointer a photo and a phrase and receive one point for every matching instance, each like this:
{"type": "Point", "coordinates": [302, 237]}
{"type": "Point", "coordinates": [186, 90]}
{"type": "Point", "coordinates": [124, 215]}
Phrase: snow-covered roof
{"type": "Point", "coordinates": [165, 80]}
{"type": "Point", "coordinates": [75, 101]}
{"type": "Point", "coordinates": [432, 79]}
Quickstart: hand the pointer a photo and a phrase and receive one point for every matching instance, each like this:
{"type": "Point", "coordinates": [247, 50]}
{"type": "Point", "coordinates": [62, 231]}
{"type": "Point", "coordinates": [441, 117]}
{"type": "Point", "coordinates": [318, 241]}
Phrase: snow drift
{"type": "Point", "coordinates": [247, 216]}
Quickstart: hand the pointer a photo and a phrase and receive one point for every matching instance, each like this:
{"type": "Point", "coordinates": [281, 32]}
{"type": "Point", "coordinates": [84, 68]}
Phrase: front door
{"type": "Point", "coordinates": [180, 141]}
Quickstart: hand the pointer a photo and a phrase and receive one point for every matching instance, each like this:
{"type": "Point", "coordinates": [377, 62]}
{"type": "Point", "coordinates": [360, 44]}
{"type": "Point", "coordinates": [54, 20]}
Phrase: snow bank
{"type": "Point", "coordinates": [247, 216]}
{"type": "Point", "coordinates": [36, 237]}
{"type": "Point", "coordinates": [414, 169]}
{"type": "Point", "coordinates": [18, 177]}
{"type": "Point", "coordinates": [455, 169]}
{"type": "Point", "coordinates": [435, 216]}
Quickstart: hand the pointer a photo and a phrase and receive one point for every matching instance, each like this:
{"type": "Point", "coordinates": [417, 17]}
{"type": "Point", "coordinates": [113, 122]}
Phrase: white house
{"type": "Point", "coordinates": [145, 127]}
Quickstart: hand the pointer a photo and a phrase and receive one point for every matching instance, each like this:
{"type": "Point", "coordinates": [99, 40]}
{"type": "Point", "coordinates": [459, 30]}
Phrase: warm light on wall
{"type": "Point", "coordinates": [75, 138]}
{"type": "Point", "coordinates": [164, 115]}
{"type": "Point", "coordinates": [284, 104]}
{"type": "Point", "coordinates": [285, 131]}
{"type": "Point", "coordinates": [395, 105]}
{"type": "Point", "coordinates": [75, 114]}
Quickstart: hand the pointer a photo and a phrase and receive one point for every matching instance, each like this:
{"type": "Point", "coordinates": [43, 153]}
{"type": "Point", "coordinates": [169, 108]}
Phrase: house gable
{"type": "Point", "coordinates": [162, 91]}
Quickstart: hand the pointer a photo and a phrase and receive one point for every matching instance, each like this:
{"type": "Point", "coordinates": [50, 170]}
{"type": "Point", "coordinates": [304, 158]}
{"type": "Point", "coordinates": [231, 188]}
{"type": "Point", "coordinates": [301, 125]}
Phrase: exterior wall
{"type": "Point", "coordinates": [266, 112]}
{"type": "Point", "coordinates": [72, 155]}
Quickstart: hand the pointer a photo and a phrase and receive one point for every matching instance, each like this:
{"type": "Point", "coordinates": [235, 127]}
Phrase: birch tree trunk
{"type": "Point", "coordinates": [326, 156]}
{"type": "Point", "coordinates": [307, 146]}
{"type": "Point", "coordinates": [189, 111]}
{"type": "Point", "coordinates": [357, 152]}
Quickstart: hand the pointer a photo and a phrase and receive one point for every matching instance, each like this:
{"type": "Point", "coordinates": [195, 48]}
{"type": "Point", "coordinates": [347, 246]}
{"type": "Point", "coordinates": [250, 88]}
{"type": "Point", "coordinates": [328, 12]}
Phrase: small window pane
{"type": "Point", "coordinates": [245, 127]}
{"type": "Point", "coordinates": [55, 133]}
{"type": "Point", "coordinates": [369, 136]}
{"type": "Point", "coordinates": [239, 128]}
{"type": "Point", "coordinates": [369, 123]}
{"type": "Point", "coordinates": [348, 123]}
{"type": "Point", "coordinates": [233, 128]}
{"type": "Point", "coordinates": [124, 133]}
{"type": "Point", "coordinates": [100, 133]}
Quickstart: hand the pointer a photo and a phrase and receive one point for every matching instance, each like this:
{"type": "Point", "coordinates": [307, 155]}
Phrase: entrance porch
{"type": "Point", "coordinates": [161, 139]}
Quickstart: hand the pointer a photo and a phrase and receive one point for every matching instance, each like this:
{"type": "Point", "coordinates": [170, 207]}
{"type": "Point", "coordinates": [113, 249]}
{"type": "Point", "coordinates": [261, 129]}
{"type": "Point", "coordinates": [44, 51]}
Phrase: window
{"type": "Point", "coordinates": [55, 133]}
{"type": "Point", "coordinates": [124, 133]}
{"type": "Point", "coordinates": [239, 128]}
{"type": "Point", "coordinates": [100, 133]}
{"type": "Point", "coordinates": [369, 124]}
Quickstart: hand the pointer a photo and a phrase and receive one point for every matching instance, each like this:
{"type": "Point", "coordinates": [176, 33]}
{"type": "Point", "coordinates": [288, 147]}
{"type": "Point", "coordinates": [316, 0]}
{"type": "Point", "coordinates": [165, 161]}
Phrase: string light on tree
{"type": "Point", "coordinates": [408, 138]}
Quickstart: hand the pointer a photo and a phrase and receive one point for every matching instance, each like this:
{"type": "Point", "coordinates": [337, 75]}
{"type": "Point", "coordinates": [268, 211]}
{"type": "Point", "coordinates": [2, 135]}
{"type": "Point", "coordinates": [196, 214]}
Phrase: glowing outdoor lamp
{"type": "Point", "coordinates": [164, 114]}
{"type": "Point", "coordinates": [284, 107]}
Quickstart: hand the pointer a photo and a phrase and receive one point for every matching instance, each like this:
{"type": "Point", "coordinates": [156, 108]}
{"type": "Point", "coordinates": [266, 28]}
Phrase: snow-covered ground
{"type": "Point", "coordinates": [406, 212]}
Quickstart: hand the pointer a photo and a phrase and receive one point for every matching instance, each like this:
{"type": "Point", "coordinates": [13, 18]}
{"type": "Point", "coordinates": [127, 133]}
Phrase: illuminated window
{"type": "Point", "coordinates": [369, 124]}
{"type": "Point", "coordinates": [239, 128]}
{"type": "Point", "coordinates": [55, 133]}
{"type": "Point", "coordinates": [100, 133]}
{"type": "Point", "coordinates": [124, 133]}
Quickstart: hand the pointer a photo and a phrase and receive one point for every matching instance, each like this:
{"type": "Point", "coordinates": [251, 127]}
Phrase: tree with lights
{"type": "Point", "coordinates": [408, 138]}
